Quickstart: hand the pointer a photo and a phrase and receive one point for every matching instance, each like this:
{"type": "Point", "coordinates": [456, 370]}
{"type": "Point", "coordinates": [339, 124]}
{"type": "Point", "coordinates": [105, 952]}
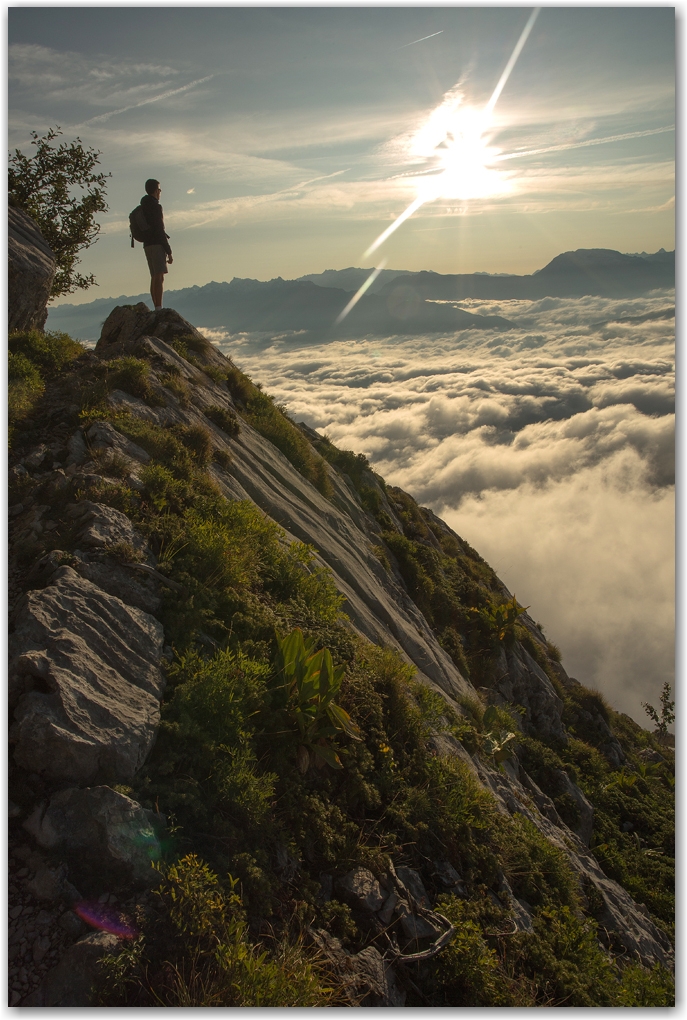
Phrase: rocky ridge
{"type": "Point", "coordinates": [87, 647]}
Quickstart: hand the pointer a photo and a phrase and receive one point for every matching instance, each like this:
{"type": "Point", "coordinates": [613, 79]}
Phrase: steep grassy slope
{"type": "Point", "coordinates": [439, 732]}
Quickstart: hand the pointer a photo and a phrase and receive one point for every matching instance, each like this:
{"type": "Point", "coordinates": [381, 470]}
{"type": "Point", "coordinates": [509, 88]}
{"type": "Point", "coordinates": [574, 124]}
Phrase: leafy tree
{"type": "Point", "coordinates": [44, 186]}
{"type": "Point", "coordinates": [667, 716]}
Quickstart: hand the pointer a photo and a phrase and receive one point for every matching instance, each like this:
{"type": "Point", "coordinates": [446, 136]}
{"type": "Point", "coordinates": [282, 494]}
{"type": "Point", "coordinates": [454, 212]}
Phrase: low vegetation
{"type": "Point", "coordinates": [291, 751]}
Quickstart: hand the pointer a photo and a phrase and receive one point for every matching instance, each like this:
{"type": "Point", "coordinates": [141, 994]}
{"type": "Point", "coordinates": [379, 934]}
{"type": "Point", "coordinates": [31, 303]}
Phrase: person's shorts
{"type": "Point", "coordinates": [157, 258]}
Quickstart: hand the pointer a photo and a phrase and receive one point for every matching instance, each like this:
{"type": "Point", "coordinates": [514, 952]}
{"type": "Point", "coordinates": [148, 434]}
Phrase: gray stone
{"type": "Point", "coordinates": [387, 912]}
{"type": "Point", "coordinates": [117, 580]}
{"type": "Point", "coordinates": [102, 526]}
{"type": "Point", "coordinates": [103, 435]}
{"type": "Point", "coordinates": [31, 270]}
{"type": "Point", "coordinates": [367, 979]}
{"type": "Point", "coordinates": [447, 874]}
{"type": "Point", "coordinates": [99, 827]}
{"type": "Point", "coordinates": [71, 923]}
{"type": "Point", "coordinates": [362, 889]}
{"type": "Point", "coordinates": [74, 981]}
{"type": "Point", "coordinates": [585, 826]}
{"type": "Point", "coordinates": [523, 682]}
{"type": "Point", "coordinates": [50, 885]}
{"type": "Point", "coordinates": [521, 915]}
{"type": "Point", "coordinates": [93, 664]}
{"type": "Point", "coordinates": [77, 449]}
{"type": "Point", "coordinates": [619, 912]}
{"type": "Point", "coordinates": [415, 926]}
{"type": "Point", "coordinates": [413, 883]}
{"type": "Point", "coordinates": [34, 459]}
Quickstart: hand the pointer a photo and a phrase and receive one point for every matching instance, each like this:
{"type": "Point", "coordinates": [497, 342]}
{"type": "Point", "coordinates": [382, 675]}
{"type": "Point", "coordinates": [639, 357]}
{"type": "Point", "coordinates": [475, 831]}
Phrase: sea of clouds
{"type": "Point", "coordinates": [549, 447]}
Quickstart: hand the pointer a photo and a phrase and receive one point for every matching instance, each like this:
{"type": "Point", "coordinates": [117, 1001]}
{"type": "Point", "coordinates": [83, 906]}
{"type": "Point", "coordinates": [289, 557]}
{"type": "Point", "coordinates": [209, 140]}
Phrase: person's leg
{"type": "Point", "coordinates": [156, 282]}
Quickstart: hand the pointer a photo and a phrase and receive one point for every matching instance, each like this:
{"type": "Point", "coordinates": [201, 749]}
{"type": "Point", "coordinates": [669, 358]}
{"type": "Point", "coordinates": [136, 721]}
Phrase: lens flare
{"type": "Point", "coordinates": [457, 138]}
{"type": "Point", "coordinates": [359, 293]}
{"type": "Point", "coordinates": [105, 918]}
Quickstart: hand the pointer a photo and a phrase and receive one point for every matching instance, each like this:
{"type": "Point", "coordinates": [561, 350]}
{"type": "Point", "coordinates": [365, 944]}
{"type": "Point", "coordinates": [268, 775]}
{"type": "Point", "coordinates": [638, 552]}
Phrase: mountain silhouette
{"type": "Point", "coordinates": [405, 303]}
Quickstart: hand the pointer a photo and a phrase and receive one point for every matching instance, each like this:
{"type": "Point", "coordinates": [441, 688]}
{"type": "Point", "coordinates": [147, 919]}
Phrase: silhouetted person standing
{"type": "Point", "coordinates": [157, 249]}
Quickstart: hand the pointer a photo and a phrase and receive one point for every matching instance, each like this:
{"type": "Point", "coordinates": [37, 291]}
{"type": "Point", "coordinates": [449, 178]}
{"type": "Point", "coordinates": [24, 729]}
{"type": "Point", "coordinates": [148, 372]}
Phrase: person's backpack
{"type": "Point", "coordinates": [139, 226]}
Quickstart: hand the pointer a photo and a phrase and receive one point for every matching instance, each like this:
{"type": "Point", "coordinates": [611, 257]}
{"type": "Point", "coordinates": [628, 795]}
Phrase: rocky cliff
{"type": "Point", "coordinates": [31, 270]}
{"type": "Point", "coordinates": [142, 432]}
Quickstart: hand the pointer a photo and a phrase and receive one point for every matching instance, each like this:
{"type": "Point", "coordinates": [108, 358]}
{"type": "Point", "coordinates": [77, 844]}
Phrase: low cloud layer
{"type": "Point", "coordinates": [549, 448]}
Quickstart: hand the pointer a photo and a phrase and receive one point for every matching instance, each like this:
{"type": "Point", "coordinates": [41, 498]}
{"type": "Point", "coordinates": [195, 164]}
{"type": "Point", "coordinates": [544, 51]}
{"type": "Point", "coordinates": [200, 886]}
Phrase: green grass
{"type": "Point", "coordinates": [34, 358]}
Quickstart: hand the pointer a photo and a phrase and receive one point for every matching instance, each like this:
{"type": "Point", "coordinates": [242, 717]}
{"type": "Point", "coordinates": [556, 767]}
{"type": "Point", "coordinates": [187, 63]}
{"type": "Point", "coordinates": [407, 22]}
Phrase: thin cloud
{"type": "Point", "coordinates": [144, 102]}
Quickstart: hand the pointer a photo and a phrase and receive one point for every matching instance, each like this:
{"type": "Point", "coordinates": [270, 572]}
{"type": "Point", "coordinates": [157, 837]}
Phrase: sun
{"type": "Point", "coordinates": [457, 138]}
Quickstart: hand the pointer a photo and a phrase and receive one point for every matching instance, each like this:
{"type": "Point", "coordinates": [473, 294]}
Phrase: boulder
{"type": "Point", "coordinates": [362, 890]}
{"type": "Point", "coordinates": [30, 274]}
{"type": "Point", "coordinates": [50, 885]}
{"type": "Point", "coordinates": [416, 926]}
{"type": "Point", "coordinates": [413, 883]}
{"type": "Point", "coordinates": [85, 674]}
{"type": "Point", "coordinates": [449, 878]}
{"type": "Point", "coordinates": [74, 981]}
{"type": "Point", "coordinates": [367, 978]}
{"type": "Point", "coordinates": [101, 526]}
{"type": "Point", "coordinates": [104, 832]}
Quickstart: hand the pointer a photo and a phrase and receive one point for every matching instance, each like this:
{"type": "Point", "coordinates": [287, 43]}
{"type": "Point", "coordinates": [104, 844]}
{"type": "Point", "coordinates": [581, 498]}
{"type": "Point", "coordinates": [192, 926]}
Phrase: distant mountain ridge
{"type": "Point", "coordinates": [399, 301]}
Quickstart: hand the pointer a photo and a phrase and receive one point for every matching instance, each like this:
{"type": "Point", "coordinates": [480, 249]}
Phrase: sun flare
{"type": "Point", "coordinates": [457, 138]}
{"type": "Point", "coordinates": [460, 136]}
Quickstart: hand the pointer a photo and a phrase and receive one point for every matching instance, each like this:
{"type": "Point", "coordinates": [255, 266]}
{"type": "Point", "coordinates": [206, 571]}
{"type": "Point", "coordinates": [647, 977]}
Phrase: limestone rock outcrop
{"type": "Point", "coordinates": [86, 682]}
{"type": "Point", "coordinates": [31, 271]}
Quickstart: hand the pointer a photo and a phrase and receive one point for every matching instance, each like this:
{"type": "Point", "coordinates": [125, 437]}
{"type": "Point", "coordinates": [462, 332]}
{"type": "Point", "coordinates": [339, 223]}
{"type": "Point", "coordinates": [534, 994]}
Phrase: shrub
{"type": "Point", "coordinates": [224, 419]}
{"type": "Point", "coordinates": [198, 441]}
{"type": "Point", "coordinates": [173, 382]}
{"type": "Point", "coordinates": [240, 386]}
{"type": "Point", "coordinates": [310, 684]}
{"type": "Point", "coordinates": [237, 575]}
{"type": "Point", "coordinates": [195, 951]}
{"type": "Point", "coordinates": [35, 357]}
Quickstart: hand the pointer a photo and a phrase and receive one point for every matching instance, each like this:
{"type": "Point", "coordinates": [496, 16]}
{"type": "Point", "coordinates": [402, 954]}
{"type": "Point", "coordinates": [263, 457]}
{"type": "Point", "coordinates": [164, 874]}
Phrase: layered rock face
{"type": "Point", "coordinates": [31, 271]}
{"type": "Point", "coordinates": [87, 646]}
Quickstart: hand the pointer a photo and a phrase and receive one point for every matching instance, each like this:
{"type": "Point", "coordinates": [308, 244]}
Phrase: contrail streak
{"type": "Point", "coordinates": [405, 45]}
{"type": "Point", "coordinates": [325, 177]}
{"type": "Point", "coordinates": [414, 206]}
{"type": "Point", "coordinates": [585, 144]}
{"type": "Point", "coordinates": [357, 296]}
{"type": "Point", "coordinates": [513, 58]}
{"type": "Point", "coordinates": [144, 102]}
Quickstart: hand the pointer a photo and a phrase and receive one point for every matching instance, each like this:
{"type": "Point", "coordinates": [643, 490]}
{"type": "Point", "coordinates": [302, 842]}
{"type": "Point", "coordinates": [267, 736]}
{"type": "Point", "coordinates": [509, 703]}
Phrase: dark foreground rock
{"type": "Point", "coordinates": [74, 981]}
{"type": "Point", "coordinates": [102, 831]}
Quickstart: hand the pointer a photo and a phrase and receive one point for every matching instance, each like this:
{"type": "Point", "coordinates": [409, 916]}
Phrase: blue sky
{"type": "Point", "coordinates": [288, 139]}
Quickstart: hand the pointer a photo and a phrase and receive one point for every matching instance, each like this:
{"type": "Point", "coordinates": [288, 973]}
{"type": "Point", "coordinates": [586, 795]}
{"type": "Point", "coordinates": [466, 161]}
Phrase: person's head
{"type": "Point", "coordinates": [153, 187]}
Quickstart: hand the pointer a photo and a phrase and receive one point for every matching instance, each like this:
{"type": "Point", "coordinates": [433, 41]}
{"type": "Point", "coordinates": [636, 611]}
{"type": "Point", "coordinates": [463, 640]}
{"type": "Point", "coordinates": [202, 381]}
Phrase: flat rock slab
{"type": "Point", "coordinates": [86, 668]}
